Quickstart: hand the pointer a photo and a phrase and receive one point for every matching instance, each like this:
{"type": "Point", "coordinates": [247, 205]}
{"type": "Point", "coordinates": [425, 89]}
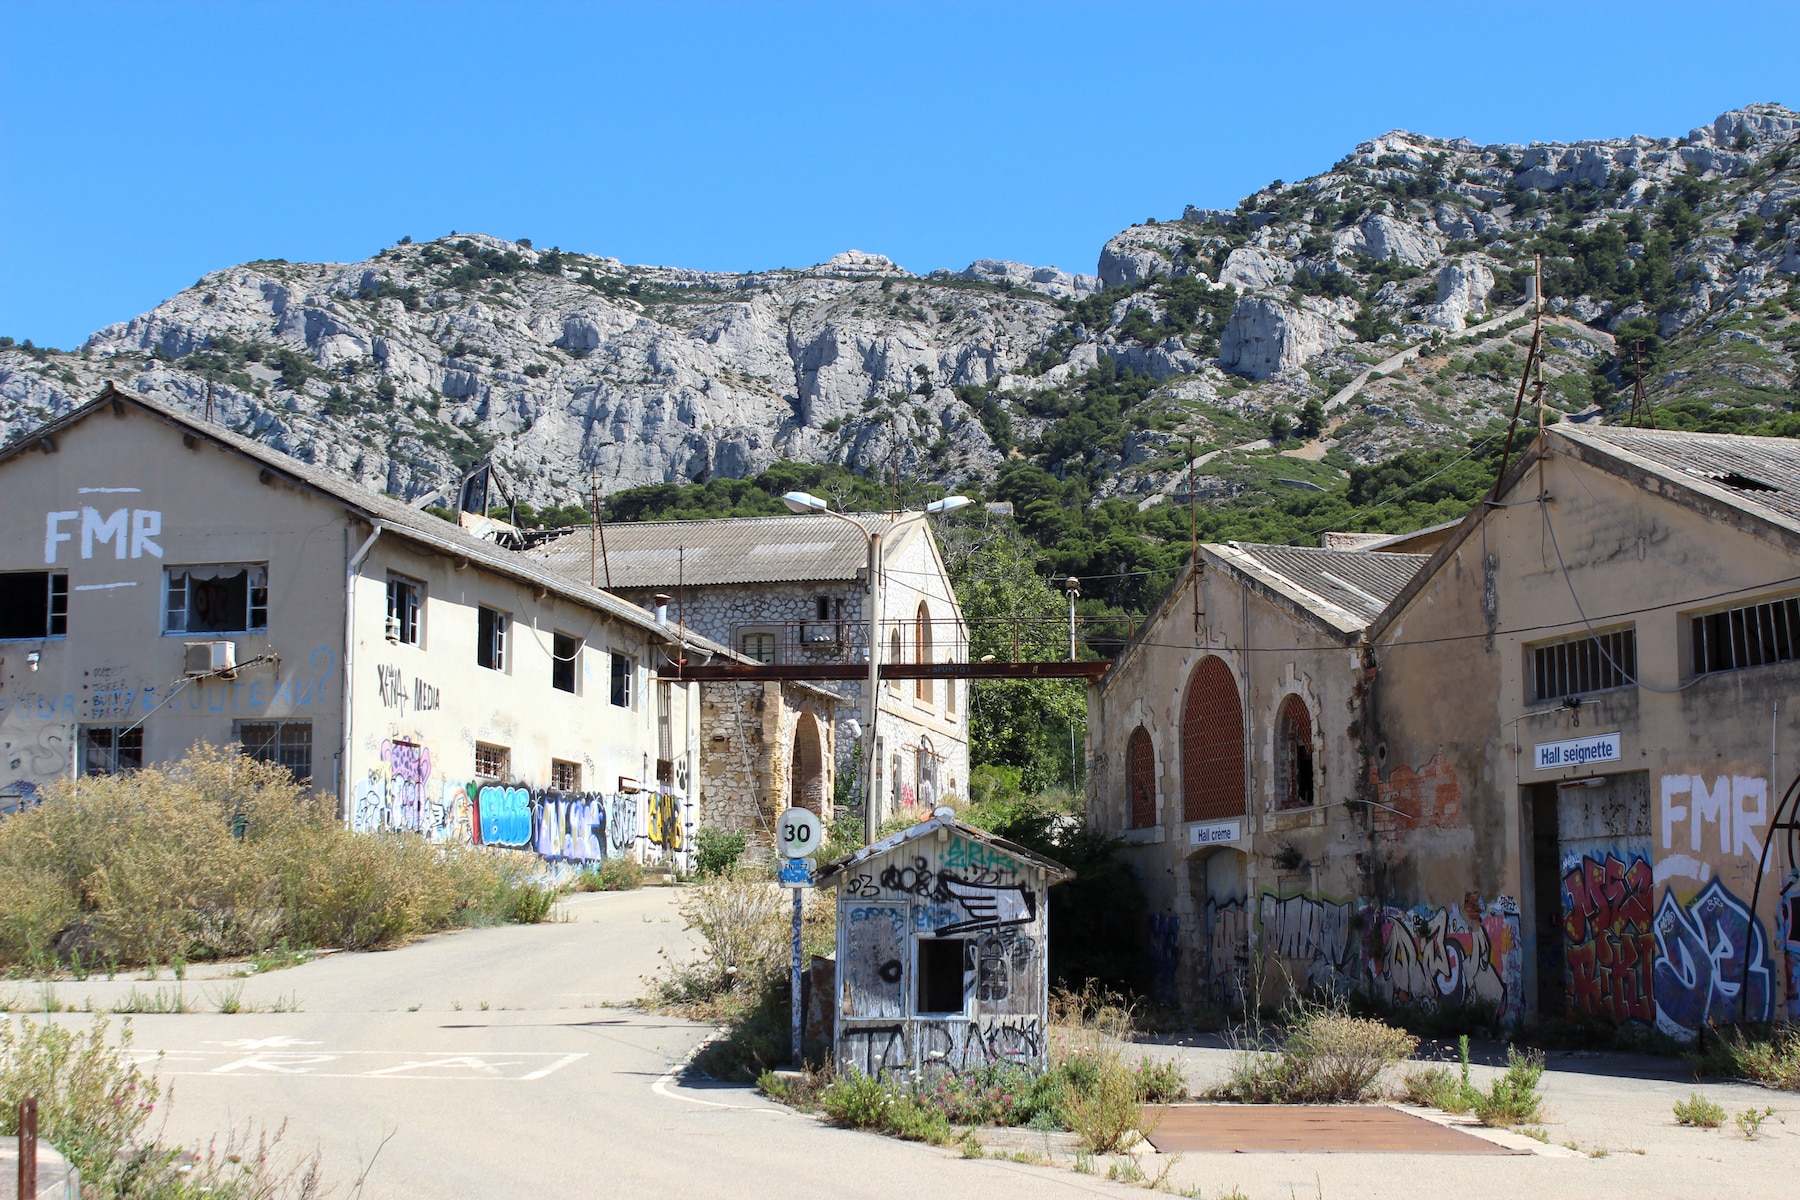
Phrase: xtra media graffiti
{"type": "Point", "coordinates": [1446, 957]}
{"type": "Point", "coordinates": [1609, 947]}
{"type": "Point", "coordinates": [1712, 963]}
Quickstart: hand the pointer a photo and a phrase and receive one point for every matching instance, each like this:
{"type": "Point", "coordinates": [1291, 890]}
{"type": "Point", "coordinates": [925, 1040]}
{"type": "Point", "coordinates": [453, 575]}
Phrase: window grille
{"type": "Point", "coordinates": [289, 743]}
{"type": "Point", "coordinates": [1590, 664]}
{"type": "Point", "coordinates": [111, 749]}
{"type": "Point", "coordinates": [565, 776]}
{"type": "Point", "coordinates": [1752, 636]}
{"type": "Point", "coordinates": [492, 762]}
{"type": "Point", "coordinates": [1212, 744]}
{"type": "Point", "coordinates": [1140, 756]}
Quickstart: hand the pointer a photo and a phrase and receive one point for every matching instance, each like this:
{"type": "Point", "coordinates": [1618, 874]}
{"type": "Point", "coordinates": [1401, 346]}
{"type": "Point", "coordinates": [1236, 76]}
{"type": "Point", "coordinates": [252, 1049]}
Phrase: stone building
{"type": "Point", "coordinates": [793, 590]}
{"type": "Point", "coordinates": [1552, 764]}
{"type": "Point", "coordinates": [1223, 751]}
{"type": "Point", "coordinates": [164, 581]}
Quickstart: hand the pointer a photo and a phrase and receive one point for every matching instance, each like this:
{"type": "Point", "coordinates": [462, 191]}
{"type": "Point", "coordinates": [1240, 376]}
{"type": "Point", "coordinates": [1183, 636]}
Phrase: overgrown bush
{"type": "Point", "coordinates": [1699, 1111]}
{"type": "Point", "coordinates": [1512, 1099]}
{"type": "Point", "coordinates": [717, 852]}
{"type": "Point", "coordinates": [611, 875]}
{"type": "Point", "coordinates": [1763, 1055]}
{"type": "Point", "coordinates": [219, 855]}
{"type": "Point", "coordinates": [1325, 1056]}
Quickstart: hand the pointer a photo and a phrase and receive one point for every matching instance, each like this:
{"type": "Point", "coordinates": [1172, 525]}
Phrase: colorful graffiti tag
{"type": "Point", "coordinates": [1788, 922]}
{"type": "Point", "coordinates": [1449, 957]}
{"type": "Point", "coordinates": [1320, 934]}
{"type": "Point", "coordinates": [1712, 963]}
{"type": "Point", "coordinates": [1609, 948]}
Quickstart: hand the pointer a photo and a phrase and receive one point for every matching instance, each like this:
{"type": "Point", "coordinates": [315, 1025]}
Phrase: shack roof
{"type": "Point", "coordinates": [728, 550]}
{"type": "Point", "coordinates": [945, 818]}
{"type": "Point", "coordinates": [402, 520]}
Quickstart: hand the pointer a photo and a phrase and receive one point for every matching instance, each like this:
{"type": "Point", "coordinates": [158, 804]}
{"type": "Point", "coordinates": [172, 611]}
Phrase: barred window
{"type": "Point", "coordinates": [111, 749]}
{"type": "Point", "coordinates": [1590, 664]}
{"type": "Point", "coordinates": [565, 776]}
{"type": "Point", "coordinates": [492, 762]}
{"type": "Point", "coordinates": [286, 742]}
{"type": "Point", "coordinates": [1752, 636]}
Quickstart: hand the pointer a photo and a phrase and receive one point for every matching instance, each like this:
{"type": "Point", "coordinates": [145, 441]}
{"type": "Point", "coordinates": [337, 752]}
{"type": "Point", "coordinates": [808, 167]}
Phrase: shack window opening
{"type": "Point", "coordinates": [943, 973]}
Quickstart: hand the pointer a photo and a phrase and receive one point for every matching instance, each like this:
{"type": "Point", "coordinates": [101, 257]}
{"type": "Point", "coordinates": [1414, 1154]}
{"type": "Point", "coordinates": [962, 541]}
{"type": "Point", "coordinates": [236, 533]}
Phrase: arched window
{"type": "Point", "coordinates": [896, 651]}
{"type": "Point", "coordinates": [928, 768]}
{"type": "Point", "coordinates": [1140, 770]}
{"type": "Point", "coordinates": [1294, 755]}
{"type": "Point", "coordinates": [922, 689]}
{"type": "Point", "coordinates": [1212, 744]}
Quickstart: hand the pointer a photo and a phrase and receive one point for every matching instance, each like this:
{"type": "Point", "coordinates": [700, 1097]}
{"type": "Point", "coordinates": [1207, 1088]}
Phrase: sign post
{"type": "Point", "coordinates": [797, 838]}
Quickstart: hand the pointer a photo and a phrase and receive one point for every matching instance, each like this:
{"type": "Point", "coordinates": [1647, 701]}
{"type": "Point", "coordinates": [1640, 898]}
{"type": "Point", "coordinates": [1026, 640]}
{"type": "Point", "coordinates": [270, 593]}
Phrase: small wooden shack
{"type": "Point", "coordinates": [942, 950]}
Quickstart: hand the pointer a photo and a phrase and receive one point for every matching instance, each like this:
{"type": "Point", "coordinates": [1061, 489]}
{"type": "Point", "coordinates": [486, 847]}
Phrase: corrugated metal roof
{"type": "Point", "coordinates": [1760, 475]}
{"type": "Point", "coordinates": [401, 519]}
{"type": "Point", "coordinates": [728, 550]}
{"type": "Point", "coordinates": [1347, 587]}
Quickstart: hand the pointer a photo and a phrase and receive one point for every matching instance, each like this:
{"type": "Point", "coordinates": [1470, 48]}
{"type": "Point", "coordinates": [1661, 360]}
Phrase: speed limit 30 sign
{"type": "Point", "coordinates": [798, 834]}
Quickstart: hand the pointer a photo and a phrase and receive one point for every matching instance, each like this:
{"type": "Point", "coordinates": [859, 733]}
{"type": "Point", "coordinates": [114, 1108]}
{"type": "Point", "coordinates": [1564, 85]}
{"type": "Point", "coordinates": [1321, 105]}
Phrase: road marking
{"type": "Point", "coordinates": [268, 1043]}
{"type": "Point", "coordinates": [358, 1064]}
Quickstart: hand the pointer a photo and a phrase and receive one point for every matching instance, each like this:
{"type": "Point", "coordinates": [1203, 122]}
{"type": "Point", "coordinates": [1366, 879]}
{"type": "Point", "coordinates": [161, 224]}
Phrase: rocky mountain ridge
{"type": "Point", "coordinates": [403, 369]}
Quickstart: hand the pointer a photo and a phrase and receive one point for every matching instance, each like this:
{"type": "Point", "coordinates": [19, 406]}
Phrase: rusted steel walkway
{"type": "Point", "coordinates": [1309, 1129]}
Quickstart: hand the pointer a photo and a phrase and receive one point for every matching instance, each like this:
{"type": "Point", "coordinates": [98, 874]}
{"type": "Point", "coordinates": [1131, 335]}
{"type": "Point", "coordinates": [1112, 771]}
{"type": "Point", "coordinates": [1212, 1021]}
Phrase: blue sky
{"type": "Point", "coordinates": [149, 143]}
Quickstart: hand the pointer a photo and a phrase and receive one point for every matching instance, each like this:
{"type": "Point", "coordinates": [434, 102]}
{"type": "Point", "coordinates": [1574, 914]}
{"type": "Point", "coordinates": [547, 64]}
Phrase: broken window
{"type": "Point", "coordinates": [565, 653]}
{"type": "Point", "coordinates": [403, 603]}
{"type": "Point", "coordinates": [217, 598]}
{"type": "Point", "coordinates": [1294, 755]}
{"type": "Point", "coordinates": [490, 638]}
{"type": "Point", "coordinates": [624, 667]}
{"type": "Point", "coordinates": [943, 976]}
{"type": "Point", "coordinates": [111, 749]}
{"type": "Point", "coordinates": [34, 604]}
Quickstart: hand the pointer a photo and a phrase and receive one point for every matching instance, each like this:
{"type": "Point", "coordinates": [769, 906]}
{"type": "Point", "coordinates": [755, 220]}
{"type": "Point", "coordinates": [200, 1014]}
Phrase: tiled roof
{"type": "Point", "coordinates": [1347, 588]}
{"type": "Point", "coordinates": [729, 550]}
{"type": "Point", "coordinates": [400, 519]}
{"type": "Point", "coordinates": [1760, 475]}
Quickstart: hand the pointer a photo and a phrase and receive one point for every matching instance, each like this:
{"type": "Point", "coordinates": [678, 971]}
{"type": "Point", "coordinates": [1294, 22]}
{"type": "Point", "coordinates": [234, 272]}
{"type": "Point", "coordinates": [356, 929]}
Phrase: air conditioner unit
{"type": "Point", "coordinates": [819, 635]}
{"type": "Point", "coordinates": [393, 629]}
{"type": "Point", "coordinates": [210, 658]}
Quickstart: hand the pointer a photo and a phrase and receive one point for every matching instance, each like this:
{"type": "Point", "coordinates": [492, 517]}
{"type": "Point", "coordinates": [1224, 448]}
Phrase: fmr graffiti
{"type": "Point", "coordinates": [1609, 948]}
{"type": "Point", "coordinates": [1712, 963]}
{"type": "Point", "coordinates": [1449, 957]}
{"type": "Point", "coordinates": [1736, 806]}
{"type": "Point", "coordinates": [1318, 933]}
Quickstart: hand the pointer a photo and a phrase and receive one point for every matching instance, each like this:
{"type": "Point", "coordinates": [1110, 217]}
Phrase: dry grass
{"type": "Point", "coordinates": [1325, 1056]}
{"type": "Point", "coordinates": [218, 856]}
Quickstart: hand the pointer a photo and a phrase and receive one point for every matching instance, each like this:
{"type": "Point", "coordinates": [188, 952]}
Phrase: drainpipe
{"type": "Point", "coordinates": [350, 574]}
{"type": "Point", "coordinates": [872, 697]}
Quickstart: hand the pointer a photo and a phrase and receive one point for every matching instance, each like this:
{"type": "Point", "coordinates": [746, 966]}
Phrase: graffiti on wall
{"type": "Point", "coordinates": [1712, 963]}
{"type": "Point", "coordinates": [1226, 965]}
{"type": "Point", "coordinates": [665, 822]}
{"type": "Point", "coordinates": [1609, 947]}
{"type": "Point", "coordinates": [1320, 934]}
{"type": "Point", "coordinates": [1165, 953]}
{"type": "Point", "coordinates": [1788, 925]}
{"type": "Point", "coordinates": [1449, 957]}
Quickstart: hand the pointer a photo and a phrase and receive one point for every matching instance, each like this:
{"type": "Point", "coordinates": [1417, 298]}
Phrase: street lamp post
{"type": "Point", "coordinates": [805, 502]}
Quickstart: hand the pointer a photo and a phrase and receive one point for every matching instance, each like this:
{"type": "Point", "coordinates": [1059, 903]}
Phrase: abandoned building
{"type": "Point", "coordinates": [167, 582]}
{"type": "Point", "coordinates": [794, 590]}
{"type": "Point", "coordinates": [1547, 763]}
{"type": "Point", "coordinates": [942, 950]}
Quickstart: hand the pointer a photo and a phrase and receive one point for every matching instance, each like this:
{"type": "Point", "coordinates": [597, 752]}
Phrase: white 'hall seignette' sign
{"type": "Point", "coordinates": [1578, 752]}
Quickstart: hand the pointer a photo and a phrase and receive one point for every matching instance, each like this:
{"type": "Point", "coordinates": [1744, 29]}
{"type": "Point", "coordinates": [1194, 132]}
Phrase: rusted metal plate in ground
{"type": "Point", "coordinates": [1309, 1129]}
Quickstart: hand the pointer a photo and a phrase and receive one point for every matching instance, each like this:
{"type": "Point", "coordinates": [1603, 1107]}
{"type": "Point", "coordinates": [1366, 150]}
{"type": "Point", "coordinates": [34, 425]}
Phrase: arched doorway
{"type": "Point", "coordinates": [1212, 744]}
{"type": "Point", "coordinates": [806, 774]}
{"type": "Point", "coordinates": [1140, 759]}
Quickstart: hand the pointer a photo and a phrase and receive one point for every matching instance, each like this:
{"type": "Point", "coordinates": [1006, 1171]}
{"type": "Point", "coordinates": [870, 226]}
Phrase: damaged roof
{"type": "Point", "coordinates": [1755, 475]}
{"type": "Point", "coordinates": [726, 550]}
{"type": "Point", "coordinates": [1344, 588]}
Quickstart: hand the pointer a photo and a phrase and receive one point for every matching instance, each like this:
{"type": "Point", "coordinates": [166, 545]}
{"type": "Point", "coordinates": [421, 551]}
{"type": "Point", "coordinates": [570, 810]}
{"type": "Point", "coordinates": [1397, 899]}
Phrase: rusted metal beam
{"type": "Point", "coordinates": [823, 672]}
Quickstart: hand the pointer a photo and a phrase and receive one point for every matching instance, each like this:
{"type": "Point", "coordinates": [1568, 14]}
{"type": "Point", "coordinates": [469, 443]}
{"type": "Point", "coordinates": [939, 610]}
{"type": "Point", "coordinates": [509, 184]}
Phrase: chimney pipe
{"type": "Point", "coordinates": [662, 607]}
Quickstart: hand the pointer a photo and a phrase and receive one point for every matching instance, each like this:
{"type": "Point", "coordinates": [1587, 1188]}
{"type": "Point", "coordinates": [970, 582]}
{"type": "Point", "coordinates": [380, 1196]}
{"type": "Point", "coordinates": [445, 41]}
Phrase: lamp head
{"type": "Point", "coordinates": [804, 502]}
{"type": "Point", "coordinates": [948, 504]}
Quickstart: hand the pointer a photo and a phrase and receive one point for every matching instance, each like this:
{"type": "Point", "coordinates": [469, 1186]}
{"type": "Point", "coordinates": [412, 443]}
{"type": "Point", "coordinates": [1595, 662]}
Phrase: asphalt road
{"type": "Point", "coordinates": [500, 1063]}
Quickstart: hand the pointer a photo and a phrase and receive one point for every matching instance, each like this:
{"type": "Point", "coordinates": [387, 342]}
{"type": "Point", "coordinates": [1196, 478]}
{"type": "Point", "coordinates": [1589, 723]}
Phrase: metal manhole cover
{"type": "Point", "coordinates": [1309, 1129]}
